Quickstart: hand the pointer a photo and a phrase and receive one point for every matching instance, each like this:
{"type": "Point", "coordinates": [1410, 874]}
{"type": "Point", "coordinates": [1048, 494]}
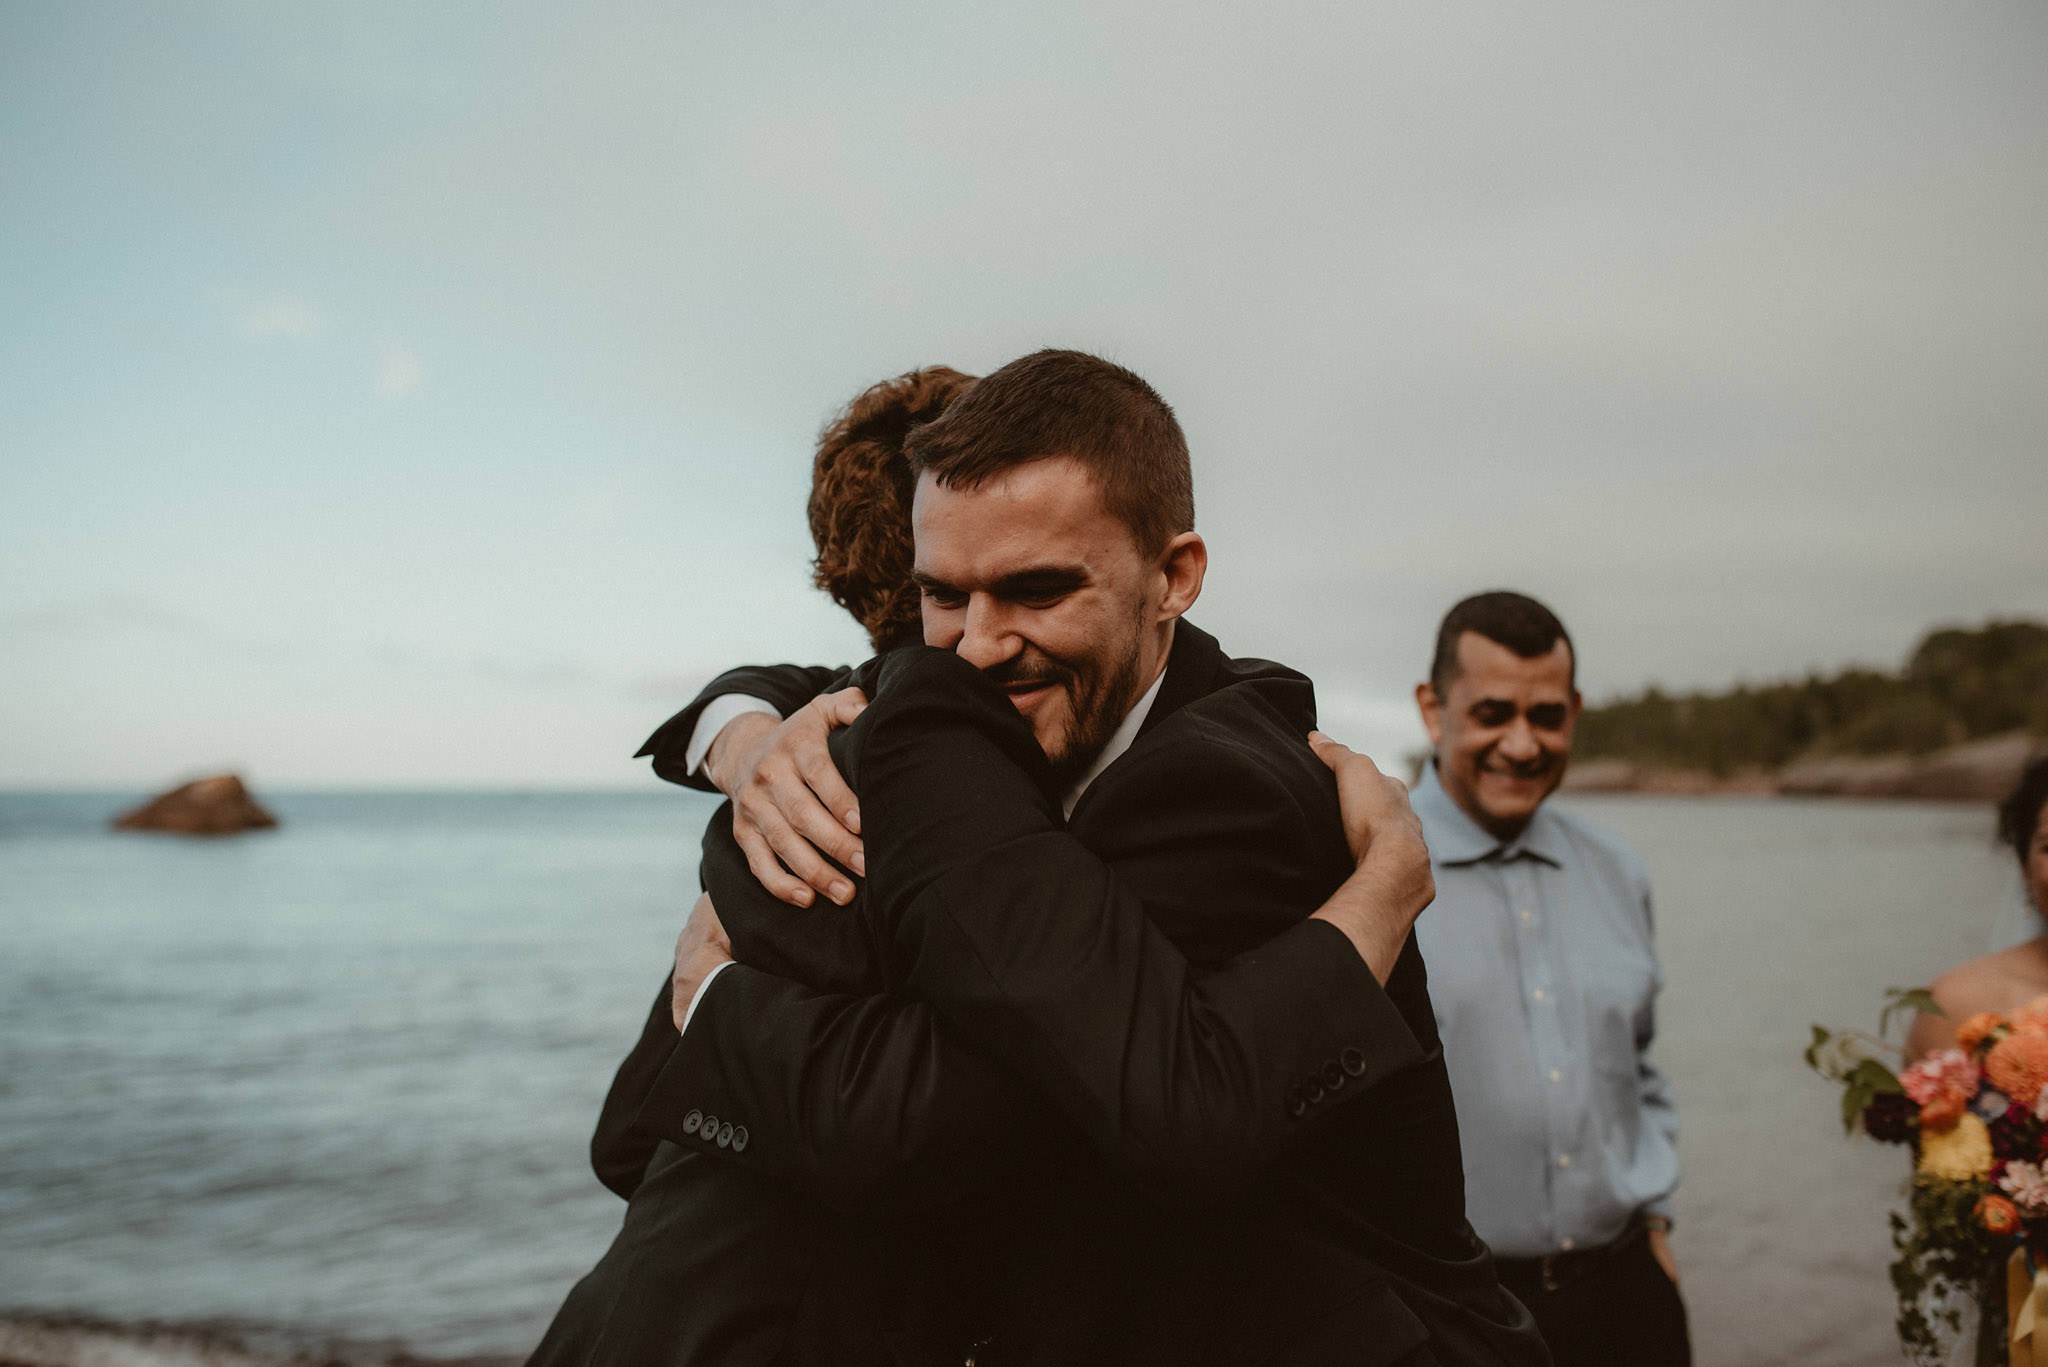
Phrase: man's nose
{"type": "Point", "coordinates": [1519, 742]}
{"type": "Point", "coordinates": [986, 637]}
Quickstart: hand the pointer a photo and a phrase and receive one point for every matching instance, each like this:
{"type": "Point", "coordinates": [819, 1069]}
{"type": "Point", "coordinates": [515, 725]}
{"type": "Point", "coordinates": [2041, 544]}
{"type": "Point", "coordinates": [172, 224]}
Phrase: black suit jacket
{"type": "Point", "coordinates": [1255, 1235]}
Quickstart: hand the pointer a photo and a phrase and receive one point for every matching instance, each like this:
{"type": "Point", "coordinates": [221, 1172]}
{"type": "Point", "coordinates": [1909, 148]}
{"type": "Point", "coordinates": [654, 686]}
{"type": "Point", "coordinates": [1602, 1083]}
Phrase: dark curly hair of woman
{"type": "Point", "coordinates": [2019, 816]}
{"type": "Point", "coordinates": [861, 488]}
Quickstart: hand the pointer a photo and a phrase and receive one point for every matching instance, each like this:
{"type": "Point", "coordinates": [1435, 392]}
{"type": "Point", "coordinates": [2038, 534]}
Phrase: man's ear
{"type": "Point", "coordinates": [1432, 709]}
{"type": "Point", "coordinates": [1182, 564]}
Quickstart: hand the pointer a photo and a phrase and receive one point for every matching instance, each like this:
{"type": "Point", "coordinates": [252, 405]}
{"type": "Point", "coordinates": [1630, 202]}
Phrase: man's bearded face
{"type": "Point", "coordinates": [1030, 579]}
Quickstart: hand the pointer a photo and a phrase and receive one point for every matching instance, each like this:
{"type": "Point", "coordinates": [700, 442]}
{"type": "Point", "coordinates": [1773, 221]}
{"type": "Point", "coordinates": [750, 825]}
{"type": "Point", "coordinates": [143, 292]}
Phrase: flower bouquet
{"type": "Point", "coordinates": [1976, 1222]}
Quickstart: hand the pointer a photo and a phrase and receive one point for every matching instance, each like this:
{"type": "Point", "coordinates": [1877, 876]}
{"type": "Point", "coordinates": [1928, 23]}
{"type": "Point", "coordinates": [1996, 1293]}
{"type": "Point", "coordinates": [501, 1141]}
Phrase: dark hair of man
{"type": "Point", "coordinates": [1509, 619]}
{"type": "Point", "coordinates": [861, 486]}
{"type": "Point", "coordinates": [1068, 403]}
{"type": "Point", "coordinates": [2019, 816]}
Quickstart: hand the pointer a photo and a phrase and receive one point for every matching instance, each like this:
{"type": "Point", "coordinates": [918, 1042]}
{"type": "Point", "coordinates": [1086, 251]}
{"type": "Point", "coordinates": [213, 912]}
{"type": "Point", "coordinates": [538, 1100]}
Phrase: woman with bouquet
{"type": "Point", "coordinates": [2012, 978]}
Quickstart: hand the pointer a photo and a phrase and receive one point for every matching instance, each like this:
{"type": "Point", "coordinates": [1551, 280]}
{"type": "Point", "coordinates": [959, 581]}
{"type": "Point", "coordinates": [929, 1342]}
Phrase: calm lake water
{"type": "Point", "coordinates": [335, 1082]}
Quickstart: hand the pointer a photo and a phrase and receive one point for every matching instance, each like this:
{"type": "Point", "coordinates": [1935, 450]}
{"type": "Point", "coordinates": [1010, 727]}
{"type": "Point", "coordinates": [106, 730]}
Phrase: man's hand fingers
{"type": "Point", "coordinates": [768, 870]}
{"type": "Point", "coordinates": [801, 857]}
{"type": "Point", "coordinates": [831, 819]}
{"type": "Point", "coordinates": [1337, 754]}
{"type": "Point", "coordinates": [842, 707]}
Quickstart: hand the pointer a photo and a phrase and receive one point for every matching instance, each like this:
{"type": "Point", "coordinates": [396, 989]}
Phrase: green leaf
{"type": "Point", "coordinates": [1900, 999]}
{"type": "Point", "coordinates": [1820, 1039]}
{"type": "Point", "coordinates": [1855, 1097]}
{"type": "Point", "coordinates": [1873, 1075]}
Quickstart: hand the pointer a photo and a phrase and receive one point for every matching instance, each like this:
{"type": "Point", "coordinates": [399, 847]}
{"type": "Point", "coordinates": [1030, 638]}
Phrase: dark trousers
{"type": "Point", "coordinates": [1609, 1307]}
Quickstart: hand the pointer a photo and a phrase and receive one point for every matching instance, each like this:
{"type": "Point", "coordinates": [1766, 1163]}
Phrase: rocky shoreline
{"type": "Point", "coordinates": [57, 1339]}
{"type": "Point", "coordinates": [1976, 771]}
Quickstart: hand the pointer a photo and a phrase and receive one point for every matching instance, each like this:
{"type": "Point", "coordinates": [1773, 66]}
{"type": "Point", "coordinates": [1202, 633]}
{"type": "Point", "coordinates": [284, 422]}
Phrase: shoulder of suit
{"type": "Point", "coordinates": [1249, 735]}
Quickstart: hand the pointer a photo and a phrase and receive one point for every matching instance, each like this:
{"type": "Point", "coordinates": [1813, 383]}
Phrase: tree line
{"type": "Point", "coordinates": [1959, 684]}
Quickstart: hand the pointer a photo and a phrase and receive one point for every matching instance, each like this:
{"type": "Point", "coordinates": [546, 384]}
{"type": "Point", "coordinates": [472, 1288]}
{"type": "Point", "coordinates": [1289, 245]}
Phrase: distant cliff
{"type": "Point", "coordinates": [1959, 721]}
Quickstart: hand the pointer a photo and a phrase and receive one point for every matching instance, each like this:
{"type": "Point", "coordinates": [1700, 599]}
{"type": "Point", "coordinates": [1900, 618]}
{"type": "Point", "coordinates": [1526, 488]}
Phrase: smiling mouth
{"type": "Point", "coordinates": [1027, 692]}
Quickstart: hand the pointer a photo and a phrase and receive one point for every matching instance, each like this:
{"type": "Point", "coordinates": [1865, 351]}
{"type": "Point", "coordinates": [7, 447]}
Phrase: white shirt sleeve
{"type": "Point", "coordinates": [711, 721]}
{"type": "Point", "coordinates": [697, 996]}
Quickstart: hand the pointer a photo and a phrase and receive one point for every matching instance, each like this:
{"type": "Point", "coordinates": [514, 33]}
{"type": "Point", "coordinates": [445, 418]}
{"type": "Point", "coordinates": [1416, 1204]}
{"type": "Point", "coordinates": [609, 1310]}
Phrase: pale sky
{"type": "Point", "coordinates": [424, 395]}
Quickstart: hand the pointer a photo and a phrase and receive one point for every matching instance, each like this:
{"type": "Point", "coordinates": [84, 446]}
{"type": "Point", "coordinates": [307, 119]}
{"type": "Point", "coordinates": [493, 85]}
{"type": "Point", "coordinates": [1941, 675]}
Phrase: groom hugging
{"type": "Point", "coordinates": [1123, 1052]}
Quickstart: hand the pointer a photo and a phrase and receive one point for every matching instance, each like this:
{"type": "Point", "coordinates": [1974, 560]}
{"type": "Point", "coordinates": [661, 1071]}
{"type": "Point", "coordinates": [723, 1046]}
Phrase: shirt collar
{"type": "Point", "coordinates": [1113, 749]}
{"type": "Point", "coordinates": [1455, 838]}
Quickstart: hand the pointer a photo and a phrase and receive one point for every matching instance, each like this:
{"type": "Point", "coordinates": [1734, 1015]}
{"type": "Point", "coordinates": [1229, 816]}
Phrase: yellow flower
{"type": "Point", "coordinates": [1958, 1153]}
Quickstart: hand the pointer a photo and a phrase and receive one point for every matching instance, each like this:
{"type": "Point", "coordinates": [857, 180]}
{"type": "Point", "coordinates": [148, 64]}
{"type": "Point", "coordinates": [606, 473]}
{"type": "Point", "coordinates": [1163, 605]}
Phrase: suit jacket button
{"type": "Point", "coordinates": [709, 1129]}
{"type": "Point", "coordinates": [1333, 1076]}
{"type": "Point", "coordinates": [1297, 1105]}
{"type": "Point", "coordinates": [1353, 1061]}
{"type": "Point", "coordinates": [725, 1135]}
{"type": "Point", "coordinates": [739, 1139]}
{"type": "Point", "coordinates": [1315, 1090]}
{"type": "Point", "coordinates": [693, 1121]}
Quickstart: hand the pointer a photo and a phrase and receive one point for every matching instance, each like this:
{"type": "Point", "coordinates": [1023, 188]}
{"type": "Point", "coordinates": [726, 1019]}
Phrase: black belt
{"type": "Point", "coordinates": [1557, 1270]}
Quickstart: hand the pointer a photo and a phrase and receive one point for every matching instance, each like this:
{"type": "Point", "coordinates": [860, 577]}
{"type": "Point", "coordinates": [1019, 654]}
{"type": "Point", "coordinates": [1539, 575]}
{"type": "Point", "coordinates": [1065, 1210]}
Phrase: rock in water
{"type": "Point", "coordinates": [208, 806]}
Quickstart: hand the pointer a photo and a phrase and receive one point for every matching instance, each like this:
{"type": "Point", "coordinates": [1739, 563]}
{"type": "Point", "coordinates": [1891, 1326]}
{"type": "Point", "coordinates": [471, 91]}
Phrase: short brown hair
{"type": "Point", "coordinates": [1506, 618]}
{"type": "Point", "coordinates": [1068, 403]}
{"type": "Point", "coordinates": [861, 486]}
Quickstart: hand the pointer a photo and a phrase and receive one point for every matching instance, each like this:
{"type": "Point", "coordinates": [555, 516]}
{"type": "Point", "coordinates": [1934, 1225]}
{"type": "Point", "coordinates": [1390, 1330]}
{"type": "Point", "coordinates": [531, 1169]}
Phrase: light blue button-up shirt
{"type": "Point", "coordinates": [1544, 976]}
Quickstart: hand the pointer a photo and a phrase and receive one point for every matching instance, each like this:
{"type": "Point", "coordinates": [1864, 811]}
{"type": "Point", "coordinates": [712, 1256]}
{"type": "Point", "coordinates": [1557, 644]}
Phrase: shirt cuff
{"type": "Point", "coordinates": [712, 720]}
{"type": "Point", "coordinates": [690, 1012]}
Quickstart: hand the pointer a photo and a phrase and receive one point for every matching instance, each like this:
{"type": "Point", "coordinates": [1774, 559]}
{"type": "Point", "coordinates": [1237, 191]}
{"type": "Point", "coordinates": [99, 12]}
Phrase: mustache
{"type": "Point", "coordinates": [1029, 669]}
{"type": "Point", "coordinates": [1531, 768]}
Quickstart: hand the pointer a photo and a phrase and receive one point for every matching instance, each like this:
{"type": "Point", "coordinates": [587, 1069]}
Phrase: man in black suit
{"type": "Point", "coordinates": [1340, 1236]}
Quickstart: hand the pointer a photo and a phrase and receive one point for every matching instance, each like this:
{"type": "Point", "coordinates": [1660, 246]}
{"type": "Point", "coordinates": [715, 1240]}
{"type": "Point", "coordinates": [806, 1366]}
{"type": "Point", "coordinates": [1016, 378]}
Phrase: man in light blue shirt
{"type": "Point", "coordinates": [1544, 978]}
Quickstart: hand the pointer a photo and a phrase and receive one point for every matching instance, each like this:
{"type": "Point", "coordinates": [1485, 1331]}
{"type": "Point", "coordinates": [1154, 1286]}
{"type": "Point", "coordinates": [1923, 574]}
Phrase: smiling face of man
{"type": "Point", "coordinates": [1502, 728]}
{"type": "Point", "coordinates": [1033, 581]}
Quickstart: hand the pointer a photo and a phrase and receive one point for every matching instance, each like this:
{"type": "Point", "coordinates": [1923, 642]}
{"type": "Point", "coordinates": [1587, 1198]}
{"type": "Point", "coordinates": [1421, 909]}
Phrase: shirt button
{"type": "Point", "coordinates": [1564, 1160]}
{"type": "Point", "coordinates": [1526, 915]}
{"type": "Point", "coordinates": [1564, 1245]}
{"type": "Point", "coordinates": [1536, 994]}
{"type": "Point", "coordinates": [1557, 1075]}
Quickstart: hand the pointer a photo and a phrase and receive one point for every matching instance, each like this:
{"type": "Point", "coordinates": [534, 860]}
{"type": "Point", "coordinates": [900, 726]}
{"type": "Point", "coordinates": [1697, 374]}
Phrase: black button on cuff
{"type": "Point", "coordinates": [709, 1129]}
{"type": "Point", "coordinates": [1353, 1061]}
{"type": "Point", "coordinates": [725, 1135]}
{"type": "Point", "coordinates": [739, 1139]}
{"type": "Point", "coordinates": [1333, 1076]}
{"type": "Point", "coordinates": [693, 1121]}
{"type": "Point", "coordinates": [1297, 1106]}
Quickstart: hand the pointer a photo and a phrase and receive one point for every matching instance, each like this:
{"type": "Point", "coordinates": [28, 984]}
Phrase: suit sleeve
{"type": "Point", "coordinates": [619, 1150]}
{"type": "Point", "coordinates": [784, 687]}
{"type": "Point", "coordinates": [868, 1104]}
{"type": "Point", "coordinates": [1031, 947]}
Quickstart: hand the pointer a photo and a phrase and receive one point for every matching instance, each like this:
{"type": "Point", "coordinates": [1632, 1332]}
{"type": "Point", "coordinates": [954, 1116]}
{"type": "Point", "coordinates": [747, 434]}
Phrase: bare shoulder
{"type": "Point", "coordinates": [1996, 982]}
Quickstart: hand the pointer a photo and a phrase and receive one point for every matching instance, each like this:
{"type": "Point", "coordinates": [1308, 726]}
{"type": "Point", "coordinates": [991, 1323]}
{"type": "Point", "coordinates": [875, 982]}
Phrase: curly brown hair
{"type": "Point", "coordinates": [861, 486]}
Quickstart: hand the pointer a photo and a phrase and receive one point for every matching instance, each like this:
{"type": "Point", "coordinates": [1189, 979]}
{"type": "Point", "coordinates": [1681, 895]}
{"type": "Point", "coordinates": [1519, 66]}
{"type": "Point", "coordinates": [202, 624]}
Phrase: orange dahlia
{"type": "Point", "coordinates": [2018, 1066]}
{"type": "Point", "coordinates": [1998, 1215]}
{"type": "Point", "coordinates": [1977, 1029]}
{"type": "Point", "coordinates": [2032, 1019]}
{"type": "Point", "coordinates": [1942, 1112]}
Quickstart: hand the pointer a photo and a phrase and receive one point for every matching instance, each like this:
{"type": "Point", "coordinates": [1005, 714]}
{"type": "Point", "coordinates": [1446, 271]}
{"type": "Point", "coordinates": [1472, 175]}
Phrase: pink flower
{"type": "Point", "coordinates": [1942, 1084]}
{"type": "Point", "coordinates": [2028, 1187]}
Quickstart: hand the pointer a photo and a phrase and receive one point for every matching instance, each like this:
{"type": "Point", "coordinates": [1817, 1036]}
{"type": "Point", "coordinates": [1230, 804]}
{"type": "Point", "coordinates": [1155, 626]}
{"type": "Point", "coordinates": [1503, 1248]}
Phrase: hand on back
{"type": "Point", "coordinates": [792, 811]}
{"type": "Point", "coordinates": [1393, 882]}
